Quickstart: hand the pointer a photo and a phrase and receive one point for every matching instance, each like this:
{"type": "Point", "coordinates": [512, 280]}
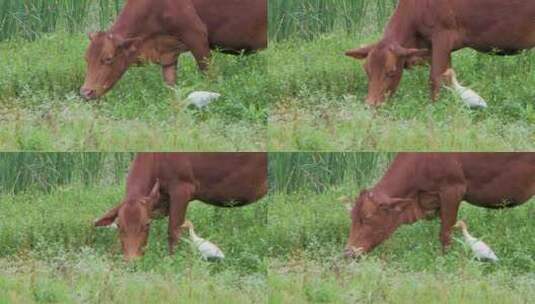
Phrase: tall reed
{"type": "Point", "coordinates": [30, 18]}
{"type": "Point", "coordinates": [289, 172]}
{"type": "Point", "coordinates": [306, 19]}
{"type": "Point", "coordinates": [44, 171]}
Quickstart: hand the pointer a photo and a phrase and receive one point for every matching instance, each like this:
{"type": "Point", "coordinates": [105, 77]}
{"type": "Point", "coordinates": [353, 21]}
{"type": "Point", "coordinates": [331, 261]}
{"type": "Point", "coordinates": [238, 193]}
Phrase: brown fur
{"type": "Point", "coordinates": [423, 185]}
{"type": "Point", "coordinates": [160, 30]}
{"type": "Point", "coordinates": [433, 29]}
{"type": "Point", "coordinates": [163, 184]}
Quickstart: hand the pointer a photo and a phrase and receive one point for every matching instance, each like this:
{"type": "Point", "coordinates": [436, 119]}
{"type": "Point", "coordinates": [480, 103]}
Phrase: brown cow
{"type": "Point", "coordinates": [219, 179]}
{"type": "Point", "coordinates": [424, 185]}
{"type": "Point", "coordinates": [160, 30]}
{"type": "Point", "coordinates": [435, 28]}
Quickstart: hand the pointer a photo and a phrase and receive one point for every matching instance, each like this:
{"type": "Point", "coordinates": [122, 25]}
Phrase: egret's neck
{"type": "Point", "coordinates": [193, 235]}
{"type": "Point", "coordinates": [455, 83]}
{"type": "Point", "coordinates": [467, 235]}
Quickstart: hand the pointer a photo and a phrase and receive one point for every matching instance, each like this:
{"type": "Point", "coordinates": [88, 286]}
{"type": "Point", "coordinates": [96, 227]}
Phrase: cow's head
{"type": "Point", "coordinates": [133, 218]}
{"type": "Point", "coordinates": [108, 57]}
{"type": "Point", "coordinates": [384, 66]}
{"type": "Point", "coordinates": [374, 218]}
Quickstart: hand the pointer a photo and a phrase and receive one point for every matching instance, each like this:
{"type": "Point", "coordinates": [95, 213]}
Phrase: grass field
{"type": "Point", "coordinates": [40, 108]}
{"type": "Point", "coordinates": [320, 102]}
{"type": "Point", "coordinates": [42, 47]}
{"type": "Point", "coordinates": [285, 249]}
{"type": "Point", "coordinates": [50, 253]}
{"type": "Point", "coordinates": [408, 268]}
{"type": "Point", "coordinates": [300, 94]}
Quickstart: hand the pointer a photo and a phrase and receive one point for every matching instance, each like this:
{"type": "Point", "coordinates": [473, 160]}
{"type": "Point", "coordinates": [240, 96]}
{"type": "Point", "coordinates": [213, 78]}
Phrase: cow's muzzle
{"type": "Point", "coordinates": [353, 252]}
{"type": "Point", "coordinates": [375, 102]}
{"type": "Point", "coordinates": [88, 94]}
{"type": "Point", "coordinates": [132, 257]}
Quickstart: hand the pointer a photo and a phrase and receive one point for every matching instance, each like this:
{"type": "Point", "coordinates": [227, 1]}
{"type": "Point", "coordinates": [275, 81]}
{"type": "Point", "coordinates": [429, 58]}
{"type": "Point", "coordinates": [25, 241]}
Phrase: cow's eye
{"type": "Point", "coordinates": [391, 74]}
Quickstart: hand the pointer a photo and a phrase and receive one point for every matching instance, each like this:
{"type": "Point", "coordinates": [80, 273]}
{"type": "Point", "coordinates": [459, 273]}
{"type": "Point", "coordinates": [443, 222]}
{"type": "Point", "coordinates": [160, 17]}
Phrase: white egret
{"type": "Point", "coordinates": [208, 250]}
{"type": "Point", "coordinates": [468, 96]}
{"type": "Point", "coordinates": [201, 99]}
{"type": "Point", "coordinates": [481, 250]}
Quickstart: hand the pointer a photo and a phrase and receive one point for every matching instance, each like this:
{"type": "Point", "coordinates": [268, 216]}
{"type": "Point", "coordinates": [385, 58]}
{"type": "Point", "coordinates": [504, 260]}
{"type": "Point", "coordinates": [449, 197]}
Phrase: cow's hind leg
{"type": "Point", "coordinates": [450, 199]}
{"type": "Point", "coordinates": [179, 197]}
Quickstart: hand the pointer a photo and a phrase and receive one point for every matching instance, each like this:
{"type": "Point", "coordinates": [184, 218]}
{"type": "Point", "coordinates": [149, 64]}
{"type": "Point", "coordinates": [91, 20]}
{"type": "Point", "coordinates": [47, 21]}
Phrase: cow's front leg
{"type": "Point", "coordinates": [179, 200]}
{"type": "Point", "coordinates": [197, 43]}
{"type": "Point", "coordinates": [440, 61]}
{"type": "Point", "coordinates": [450, 200]}
{"type": "Point", "coordinates": [169, 73]}
{"type": "Point", "coordinates": [192, 32]}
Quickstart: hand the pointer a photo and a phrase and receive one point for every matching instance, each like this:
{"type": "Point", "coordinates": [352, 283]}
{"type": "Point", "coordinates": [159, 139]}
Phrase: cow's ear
{"type": "Point", "coordinates": [410, 52]}
{"type": "Point", "coordinates": [154, 195]}
{"type": "Point", "coordinates": [108, 218]}
{"type": "Point", "coordinates": [360, 53]}
{"type": "Point", "coordinates": [399, 204]}
{"type": "Point", "coordinates": [129, 45]}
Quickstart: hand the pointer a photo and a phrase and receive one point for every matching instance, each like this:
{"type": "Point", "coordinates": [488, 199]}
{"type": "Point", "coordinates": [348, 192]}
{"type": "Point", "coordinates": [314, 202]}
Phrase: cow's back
{"type": "Point", "coordinates": [495, 179]}
{"type": "Point", "coordinates": [218, 178]}
{"type": "Point", "coordinates": [235, 25]}
{"type": "Point", "coordinates": [483, 22]}
{"type": "Point", "coordinates": [490, 178]}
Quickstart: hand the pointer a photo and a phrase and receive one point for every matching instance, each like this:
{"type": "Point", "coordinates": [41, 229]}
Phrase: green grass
{"type": "Point", "coordinates": [40, 108]}
{"type": "Point", "coordinates": [300, 94]}
{"type": "Point", "coordinates": [307, 266]}
{"type": "Point", "coordinates": [49, 253]}
{"type": "Point", "coordinates": [285, 249]}
{"type": "Point", "coordinates": [320, 102]}
{"type": "Point", "coordinates": [310, 226]}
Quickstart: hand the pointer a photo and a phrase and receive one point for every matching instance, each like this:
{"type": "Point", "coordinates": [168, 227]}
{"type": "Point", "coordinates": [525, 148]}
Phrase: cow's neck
{"type": "Point", "coordinates": [128, 23]}
{"type": "Point", "coordinates": [398, 181]}
{"type": "Point", "coordinates": [139, 182]}
{"type": "Point", "coordinates": [401, 28]}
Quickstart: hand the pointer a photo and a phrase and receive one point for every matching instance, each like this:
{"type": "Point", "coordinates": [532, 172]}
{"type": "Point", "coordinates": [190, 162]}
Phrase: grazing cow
{"type": "Point", "coordinates": [160, 30]}
{"type": "Point", "coordinates": [163, 184]}
{"type": "Point", "coordinates": [424, 185]}
{"type": "Point", "coordinates": [434, 28]}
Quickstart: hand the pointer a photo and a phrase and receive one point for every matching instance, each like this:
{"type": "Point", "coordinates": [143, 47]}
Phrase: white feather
{"type": "Point", "coordinates": [207, 249]}
{"type": "Point", "coordinates": [480, 250]}
{"type": "Point", "coordinates": [110, 226]}
{"type": "Point", "coordinates": [201, 99]}
{"type": "Point", "coordinates": [468, 96]}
